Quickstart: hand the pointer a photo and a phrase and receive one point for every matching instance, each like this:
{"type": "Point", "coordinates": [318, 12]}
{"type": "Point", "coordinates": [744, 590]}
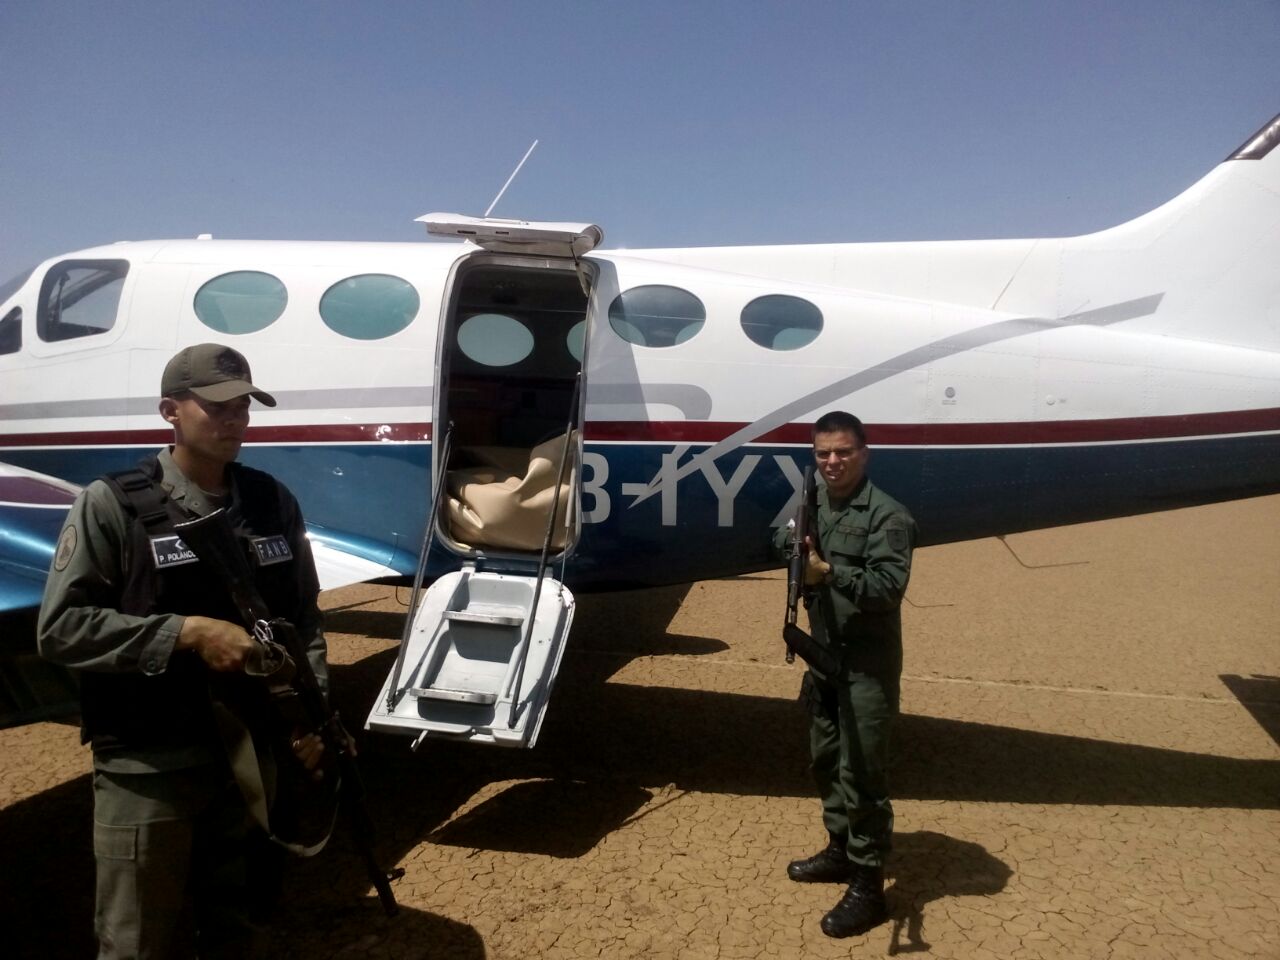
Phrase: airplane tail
{"type": "Point", "coordinates": [1211, 252]}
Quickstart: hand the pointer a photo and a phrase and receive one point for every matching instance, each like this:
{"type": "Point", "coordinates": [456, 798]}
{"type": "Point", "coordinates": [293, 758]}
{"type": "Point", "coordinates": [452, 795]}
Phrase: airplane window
{"type": "Point", "coordinates": [656, 315]}
{"type": "Point", "coordinates": [370, 306]}
{"type": "Point", "coordinates": [242, 302]}
{"type": "Point", "coordinates": [11, 332]}
{"type": "Point", "coordinates": [779, 322]}
{"type": "Point", "coordinates": [494, 339]}
{"type": "Point", "coordinates": [576, 338]}
{"type": "Point", "coordinates": [79, 298]}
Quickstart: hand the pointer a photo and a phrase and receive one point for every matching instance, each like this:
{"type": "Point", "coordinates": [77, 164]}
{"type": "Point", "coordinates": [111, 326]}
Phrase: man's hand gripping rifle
{"type": "Point", "coordinates": [803, 534]}
{"type": "Point", "coordinates": [212, 539]}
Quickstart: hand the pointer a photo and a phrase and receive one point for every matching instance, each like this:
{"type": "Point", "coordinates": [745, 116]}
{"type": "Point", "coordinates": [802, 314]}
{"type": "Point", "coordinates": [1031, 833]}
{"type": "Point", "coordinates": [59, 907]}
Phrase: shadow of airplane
{"type": "Point", "coordinates": [315, 928]}
{"type": "Point", "coordinates": [554, 818]}
{"type": "Point", "coordinates": [47, 893]}
{"type": "Point", "coordinates": [605, 749]}
{"type": "Point", "coordinates": [1260, 695]}
{"type": "Point", "coordinates": [46, 888]}
{"type": "Point", "coordinates": [647, 737]}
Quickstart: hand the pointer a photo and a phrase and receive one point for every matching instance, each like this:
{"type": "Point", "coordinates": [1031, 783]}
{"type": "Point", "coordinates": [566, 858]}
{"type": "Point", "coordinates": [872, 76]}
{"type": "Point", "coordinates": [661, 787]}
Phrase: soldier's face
{"type": "Point", "coordinates": [842, 461]}
{"type": "Point", "coordinates": [211, 431]}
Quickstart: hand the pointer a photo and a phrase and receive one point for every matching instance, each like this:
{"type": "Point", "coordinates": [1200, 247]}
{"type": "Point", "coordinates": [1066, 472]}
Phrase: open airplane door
{"type": "Point", "coordinates": [483, 644]}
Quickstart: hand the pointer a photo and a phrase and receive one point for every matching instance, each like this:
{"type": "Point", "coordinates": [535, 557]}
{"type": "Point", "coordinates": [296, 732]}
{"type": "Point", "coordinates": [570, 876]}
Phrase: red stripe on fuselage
{"type": "Point", "coordinates": [302, 433]}
{"type": "Point", "coordinates": [704, 431]}
{"type": "Point", "coordinates": [958, 434]}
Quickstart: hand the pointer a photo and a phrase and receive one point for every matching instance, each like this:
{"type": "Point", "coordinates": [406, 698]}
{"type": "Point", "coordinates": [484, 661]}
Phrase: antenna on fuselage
{"type": "Point", "coordinates": [510, 178]}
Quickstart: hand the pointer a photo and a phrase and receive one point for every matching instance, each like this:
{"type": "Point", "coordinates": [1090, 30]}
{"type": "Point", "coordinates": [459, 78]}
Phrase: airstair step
{"type": "Point", "coordinates": [456, 696]}
{"type": "Point", "coordinates": [478, 660]}
{"type": "Point", "coordinates": [498, 617]}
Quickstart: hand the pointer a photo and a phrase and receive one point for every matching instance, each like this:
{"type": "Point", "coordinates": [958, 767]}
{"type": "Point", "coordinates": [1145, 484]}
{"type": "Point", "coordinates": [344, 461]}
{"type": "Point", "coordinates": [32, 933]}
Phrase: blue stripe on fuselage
{"type": "Point", "coordinates": [373, 498]}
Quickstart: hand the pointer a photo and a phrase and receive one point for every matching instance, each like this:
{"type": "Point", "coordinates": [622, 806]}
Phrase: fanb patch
{"type": "Point", "coordinates": [271, 550]}
{"type": "Point", "coordinates": [170, 551]}
{"type": "Point", "coordinates": [898, 539]}
{"type": "Point", "coordinates": [66, 548]}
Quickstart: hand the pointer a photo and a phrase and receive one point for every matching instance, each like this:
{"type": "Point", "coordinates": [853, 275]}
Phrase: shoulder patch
{"type": "Point", "coordinates": [66, 548]}
{"type": "Point", "coordinates": [898, 538]}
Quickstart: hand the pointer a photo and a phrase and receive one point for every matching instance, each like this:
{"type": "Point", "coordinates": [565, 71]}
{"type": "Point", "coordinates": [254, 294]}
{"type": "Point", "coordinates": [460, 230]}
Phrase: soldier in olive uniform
{"type": "Point", "coordinates": [857, 574]}
{"type": "Point", "coordinates": [146, 626]}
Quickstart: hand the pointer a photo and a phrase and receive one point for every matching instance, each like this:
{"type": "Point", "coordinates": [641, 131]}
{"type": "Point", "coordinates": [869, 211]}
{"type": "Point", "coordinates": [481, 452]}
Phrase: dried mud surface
{"type": "Point", "coordinates": [1088, 765]}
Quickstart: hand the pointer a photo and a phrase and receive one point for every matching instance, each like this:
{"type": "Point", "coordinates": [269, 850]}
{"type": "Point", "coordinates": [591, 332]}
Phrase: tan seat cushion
{"type": "Point", "coordinates": [503, 503]}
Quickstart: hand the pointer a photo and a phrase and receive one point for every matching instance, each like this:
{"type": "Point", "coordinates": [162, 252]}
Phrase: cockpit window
{"type": "Point", "coordinates": [656, 315]}
{"type": "Point", "coordinates": [494, 339]}
{"type": "Point", "coordinates": [780, 322]}
{"type": "Point", "coordinates": [11, 286]}
{"type": "Point", "coordinates": [242, 302]}
{"type": "Point", "coordinates": [80, 298]}
{"type": "Point", "coordinates": [370, 306]}
{"type": "Point", "coordinates": [11, 332]}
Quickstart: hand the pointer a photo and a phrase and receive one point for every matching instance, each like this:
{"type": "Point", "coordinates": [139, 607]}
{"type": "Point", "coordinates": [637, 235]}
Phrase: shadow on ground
{"type": "Point", "coordinates": [1260, 695]}
{"type": "Point", "coordinates": [605, 749]}
{"type": "Point", "coordinates": [46, 887]}
{"type": "Point", "coordinates": [624, 737]}
{"type": "Point", "coordinates": [316, 929]}
{"type": "Point", "coordinates": [554, 818]}
{"type": "Point", "coordinates": [927, 866]}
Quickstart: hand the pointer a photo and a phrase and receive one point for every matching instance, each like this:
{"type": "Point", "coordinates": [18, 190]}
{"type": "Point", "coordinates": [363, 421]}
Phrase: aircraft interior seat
{"type": "Point", "coordinates": [501, 496]}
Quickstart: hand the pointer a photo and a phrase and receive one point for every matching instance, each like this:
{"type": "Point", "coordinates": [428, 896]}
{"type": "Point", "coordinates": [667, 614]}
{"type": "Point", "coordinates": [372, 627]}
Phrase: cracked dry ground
{"type": "Point", "coordinates": [1088, 766]}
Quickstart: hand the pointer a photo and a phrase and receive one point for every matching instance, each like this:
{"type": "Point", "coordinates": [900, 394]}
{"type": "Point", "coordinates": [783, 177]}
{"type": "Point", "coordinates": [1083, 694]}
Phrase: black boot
{"type": "Point", "coordinates": [862, 906]}
{"type": "Point", "coordinates": [829, 865]}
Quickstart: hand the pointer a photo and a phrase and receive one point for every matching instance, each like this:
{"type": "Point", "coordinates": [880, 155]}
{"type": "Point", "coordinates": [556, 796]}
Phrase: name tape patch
{"type": "Point", "coordinates": [271, 550]}
{"type": "Point", "coordinates": [170, 551]}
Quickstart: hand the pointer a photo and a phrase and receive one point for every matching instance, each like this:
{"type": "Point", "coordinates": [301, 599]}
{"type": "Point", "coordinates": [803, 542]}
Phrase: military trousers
{"type": "Point", "coordinates": [850, 721]}
{"type": "Point", "coordinates": [171, 874]}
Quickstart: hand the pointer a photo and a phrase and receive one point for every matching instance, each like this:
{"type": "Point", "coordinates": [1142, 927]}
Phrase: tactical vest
{"type": "Point", "coordinates": [171, 709]}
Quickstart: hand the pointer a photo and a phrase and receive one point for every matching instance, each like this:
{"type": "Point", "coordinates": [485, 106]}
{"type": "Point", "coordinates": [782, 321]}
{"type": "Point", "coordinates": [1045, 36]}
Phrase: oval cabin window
{"type": "Point", "coordinates": [780, 322]}
{"type": "Point", "coordinates": [656, 315]}
{"type": "Point", "coordinates": [494, 339]}
{"type": "Point", "coordinates": [370, 306]}
{"type": "Point", "coordinates": [242, 302]}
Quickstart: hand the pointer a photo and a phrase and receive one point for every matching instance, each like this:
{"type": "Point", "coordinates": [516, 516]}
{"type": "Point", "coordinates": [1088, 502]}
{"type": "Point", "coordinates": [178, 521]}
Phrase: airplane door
{"type": "Point", "coordinates": [481, 652]}
{"type": "Point", "coordinates": [509, 394]}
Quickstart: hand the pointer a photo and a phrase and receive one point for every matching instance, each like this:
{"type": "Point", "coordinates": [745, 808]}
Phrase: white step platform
{"type": "Point", "coordinates": [459, 673]}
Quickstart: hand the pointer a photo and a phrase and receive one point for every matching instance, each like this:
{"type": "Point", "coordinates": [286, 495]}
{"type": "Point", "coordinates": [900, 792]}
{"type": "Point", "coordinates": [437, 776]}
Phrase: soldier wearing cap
{"type": "Point", "coordinates": [145, 628]}
{"type": "Point", "coordinates": [858, 574]}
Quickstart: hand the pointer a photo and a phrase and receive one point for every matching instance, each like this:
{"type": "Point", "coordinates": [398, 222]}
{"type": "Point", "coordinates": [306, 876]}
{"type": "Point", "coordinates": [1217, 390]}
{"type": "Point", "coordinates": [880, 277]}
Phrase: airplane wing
{"type": "Point", "coordinates": [340, 563]}
{"type": "Point", "coordinates": [32, 508]}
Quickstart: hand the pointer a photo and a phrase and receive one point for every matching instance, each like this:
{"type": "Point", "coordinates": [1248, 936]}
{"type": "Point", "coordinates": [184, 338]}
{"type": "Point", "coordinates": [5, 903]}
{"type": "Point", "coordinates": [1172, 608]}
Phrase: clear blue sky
{"type": "Point", "coordinates": [668, 123]}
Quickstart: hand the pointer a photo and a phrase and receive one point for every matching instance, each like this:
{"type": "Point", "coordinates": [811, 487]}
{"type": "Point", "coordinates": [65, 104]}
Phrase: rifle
{"type": "Point", "coordinates": [796, 640]}
{"type": "Point", "coordinates": [213, 540]}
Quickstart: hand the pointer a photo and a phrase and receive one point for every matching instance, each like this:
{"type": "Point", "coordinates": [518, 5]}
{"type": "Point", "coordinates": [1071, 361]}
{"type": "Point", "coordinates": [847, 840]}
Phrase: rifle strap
{"type": "Point", "coordinates": [257, 778]}
{"type": "Point", "coordinates": [242, 757]}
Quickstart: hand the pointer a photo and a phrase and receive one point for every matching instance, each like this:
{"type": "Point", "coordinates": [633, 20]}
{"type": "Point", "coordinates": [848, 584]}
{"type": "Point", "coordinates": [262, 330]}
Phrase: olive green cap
{"type": "Point", "coordinates": [213, 372]}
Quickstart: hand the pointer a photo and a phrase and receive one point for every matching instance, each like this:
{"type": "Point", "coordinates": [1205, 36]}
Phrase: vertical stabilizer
{"type": "Point", "coordinates": [1211, 252]}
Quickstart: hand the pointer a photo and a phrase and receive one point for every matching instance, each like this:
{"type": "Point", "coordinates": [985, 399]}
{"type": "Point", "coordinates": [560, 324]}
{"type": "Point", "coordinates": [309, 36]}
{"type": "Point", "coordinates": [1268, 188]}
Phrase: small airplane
{"type": "Point", "coordinates": [518, 411]}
